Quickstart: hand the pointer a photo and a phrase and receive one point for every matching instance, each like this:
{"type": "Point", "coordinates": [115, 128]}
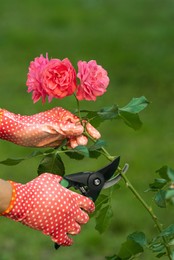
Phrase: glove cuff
{"type": "Point", "coordinates": [13, 198]}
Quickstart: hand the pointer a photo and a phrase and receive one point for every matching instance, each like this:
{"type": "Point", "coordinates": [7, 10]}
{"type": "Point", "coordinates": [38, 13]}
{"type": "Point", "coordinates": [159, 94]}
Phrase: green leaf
{"type": "Point", "coordinates": [12, 161]}
{"type": "Point", "coordinates": [157, 247]}
{"type": "Point", "coordinates": [97, 117]}
{"type": "Point", "coordinates": [78, 153]}
{"type": "Point", "coordinates": [169, 194]}
{"type": "Point", "coordinates": [132, 120]}
{"type": "Point", "coordinates": [37, 153]}
{"type": "Point", "coordinates": [74, 155]}
{"type": "Point", "coordinates": [161, 254]}
{"type": "Point", "coordinates": [81, 149]}
{"type": "Point", "coordinates": [132, 247]}
{"type": "Point", "coordinates": [51, 163]}
{"type": "Point", "coordinates": [15, 161]}
{"type": "Point", "coordinates": [138, 237]}
{"type": "Point", "coordinates": [135, 105]}
{"type": "Point", "coordinates": [160, 198]}
{"type": "Point", "coordinates": [170, 173]}
{"type": "Point", "coordinates": [157, 184]}
{"type": "Point", "coordinates": [172, 255]}
{"type": "Point", "coordinates": [108, 113]}
{"type": "Point", "coordinates": [169, 231]}
{"type": "Point", "coordinates": [103, 219]}
{"type": "Point", "coordinates": [163, 173]}
{"type": "Point", "coordinates": [97, 145]}
{"type": "Point", "coordinates": [129, 249]}
{"type": "Point", "coordinates": [95, 154]}
{"type": "Point", "coordinates": [94, 118]}
{"type": "Point", "coordinates": [102, 199]}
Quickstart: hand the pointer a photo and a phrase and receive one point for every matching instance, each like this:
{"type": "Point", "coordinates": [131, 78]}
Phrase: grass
{"type": "Point", "coordinates": [133, 40]}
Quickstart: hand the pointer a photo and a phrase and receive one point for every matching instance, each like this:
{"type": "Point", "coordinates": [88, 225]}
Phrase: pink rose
{"type": "Point", "coordinates": [59, 78]}
{"type": "Point", "coordinates": [93, 80]}
{"type": "Point", "coordinates": [34, 79]}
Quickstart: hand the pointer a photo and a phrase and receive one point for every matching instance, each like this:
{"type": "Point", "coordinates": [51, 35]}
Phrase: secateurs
{"type": "Point", "coordinates": [91, 183]}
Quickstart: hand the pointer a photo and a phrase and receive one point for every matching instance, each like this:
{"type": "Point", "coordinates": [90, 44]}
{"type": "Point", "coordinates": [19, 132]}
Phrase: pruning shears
{"type": "Point", "coordinates": [91, 183]}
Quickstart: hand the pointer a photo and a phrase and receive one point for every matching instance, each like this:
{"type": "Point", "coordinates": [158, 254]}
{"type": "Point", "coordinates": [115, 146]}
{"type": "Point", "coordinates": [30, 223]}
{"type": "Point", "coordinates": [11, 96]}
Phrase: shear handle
{"type": "Point", "coordinates": [89, 183]}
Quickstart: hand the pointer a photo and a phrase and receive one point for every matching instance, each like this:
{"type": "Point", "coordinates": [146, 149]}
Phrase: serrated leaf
{"type": "Point", "coordinates": [97, 145]}
{"type": "Point", "coordinates": [169, 231]}
{"type": "Point", "coordinates": [81, 149]}
{"type": "Point", "coordinates": [161, 254]}
{"type": "Point", "coordinates": [36, 153]}
{"type": "Point", "coordinates": [78, 153]}
{"type": "Point", "coordinates": [103, 219]}
{"type": "Point", "coordinates": [94, 118]}
{"type": "Point", "coordinates": [95, 154]}
{"type": "Point", "coordinates": [169, 194]}
{"type": "Point", "coordinates": [108, 113]}
{"type": "Point", "coordinates": [15, 161]}
{"type": "Point", "coordinates": [157, 247]}
{"type": "Point", "coordinates": [138, 237]}
{"type": "Point", "coordinates": [163, 172]}
{"type": "Point", "coordinates": [74, 155]}
{"type": "Point", "coordinates": [102, 199]}
{"type": "Point", "coordinates": [130, 249]}
{"type": "Point", "coordinates": [160, 199]}
{"type": "Point", "coordinates": [170, 173]}
{"type": "Point", "coordinates": [12, 161]}
{"type": "Point", "coordinates": [157, 184]}
{"type": "Point", "coordinates": [135, 105]}
{"type": "Point", "coordinates": [51, 163]}
{"type": "Point", "coordinates": [132, 120]}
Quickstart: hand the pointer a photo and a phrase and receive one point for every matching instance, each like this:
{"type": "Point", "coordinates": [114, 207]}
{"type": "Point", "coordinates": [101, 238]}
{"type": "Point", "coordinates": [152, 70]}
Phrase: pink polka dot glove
{"type": "Point", "coordinates": [45, 129]}
{"type": "Point", "coordinates": [44, 204]}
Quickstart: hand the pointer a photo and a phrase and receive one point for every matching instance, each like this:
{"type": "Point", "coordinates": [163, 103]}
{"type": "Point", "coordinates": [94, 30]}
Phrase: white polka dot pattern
{"type": "Point", "coordinates": [45, 205]}
{"type": "Point", "coordinates": [45, 129]}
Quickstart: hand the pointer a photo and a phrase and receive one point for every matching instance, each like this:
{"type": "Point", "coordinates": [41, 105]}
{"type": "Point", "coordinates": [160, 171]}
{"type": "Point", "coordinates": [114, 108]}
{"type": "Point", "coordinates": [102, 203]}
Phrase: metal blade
{"type": "Point", "coordinates": [109, 170]}
{"type": "Point", "coordinates": [117, 178]}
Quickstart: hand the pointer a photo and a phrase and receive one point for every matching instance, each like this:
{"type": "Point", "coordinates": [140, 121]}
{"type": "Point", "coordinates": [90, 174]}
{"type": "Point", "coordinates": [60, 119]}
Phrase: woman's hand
{"type": "Point", "coordinates": [44, 204]}
{"type": "Point", "coordinates": [45, 129]}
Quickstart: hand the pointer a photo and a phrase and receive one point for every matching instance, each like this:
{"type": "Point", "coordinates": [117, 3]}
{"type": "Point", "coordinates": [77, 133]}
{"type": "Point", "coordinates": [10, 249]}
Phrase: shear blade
{"type": "Point", "coordinates": [112, 181]}
{"type": "Point", "coordinates": [109, 170]}
{"type": "Point", "coordinates": [116, 179]}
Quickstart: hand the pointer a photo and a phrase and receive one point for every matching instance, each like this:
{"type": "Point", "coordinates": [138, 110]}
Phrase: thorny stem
{"type": "Point", "coordinates": [150, 211]}
{"type": "Point", "coordinates": [138, 196]}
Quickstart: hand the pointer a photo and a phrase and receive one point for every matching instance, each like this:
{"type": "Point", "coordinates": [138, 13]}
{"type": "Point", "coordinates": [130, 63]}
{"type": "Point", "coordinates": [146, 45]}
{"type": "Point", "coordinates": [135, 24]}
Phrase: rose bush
{"type": "Point", "coordinates": [57, 79]}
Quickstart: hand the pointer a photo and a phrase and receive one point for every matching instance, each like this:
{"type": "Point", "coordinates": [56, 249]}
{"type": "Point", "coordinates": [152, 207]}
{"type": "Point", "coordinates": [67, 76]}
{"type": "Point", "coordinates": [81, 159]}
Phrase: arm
{"type": "Point", "coordinates": [5, 195]}
{"type": "Point", "coordinates": [45, 129]}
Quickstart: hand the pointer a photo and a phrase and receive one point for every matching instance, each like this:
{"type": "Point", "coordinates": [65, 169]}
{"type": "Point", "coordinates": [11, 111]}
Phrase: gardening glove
{"type": "Point", "coordinates": [44, 204]}
{"type": "Point", "coordinates": [45, 129]}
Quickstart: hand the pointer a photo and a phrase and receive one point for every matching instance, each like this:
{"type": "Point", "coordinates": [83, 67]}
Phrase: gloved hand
{"type": "Point", "coordinates": [45, 129]}
{"type": "Point", "coordinates": [44, 204]}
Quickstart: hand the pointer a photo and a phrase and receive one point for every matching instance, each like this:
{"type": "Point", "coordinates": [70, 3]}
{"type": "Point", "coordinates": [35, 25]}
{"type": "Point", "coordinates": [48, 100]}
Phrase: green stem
{"type": "Point", "coordinates": [78, 107]}
{"type": "Point", "coordinates": [138, 196]}
{"type": "Point", "coordinates": [150, 211]}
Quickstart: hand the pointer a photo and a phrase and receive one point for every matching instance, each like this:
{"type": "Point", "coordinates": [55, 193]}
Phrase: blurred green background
{"type": "Point", "coordinates": [133, 40]}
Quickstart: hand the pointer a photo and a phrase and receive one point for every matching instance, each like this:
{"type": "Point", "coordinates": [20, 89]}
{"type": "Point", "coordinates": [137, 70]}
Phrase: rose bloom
{"type": "Point", "coordinates": [93, 80]}
{"type": "Point", "coordinates": [59, 78]}
{"type": "Point", "coordinates": [34, 78]}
